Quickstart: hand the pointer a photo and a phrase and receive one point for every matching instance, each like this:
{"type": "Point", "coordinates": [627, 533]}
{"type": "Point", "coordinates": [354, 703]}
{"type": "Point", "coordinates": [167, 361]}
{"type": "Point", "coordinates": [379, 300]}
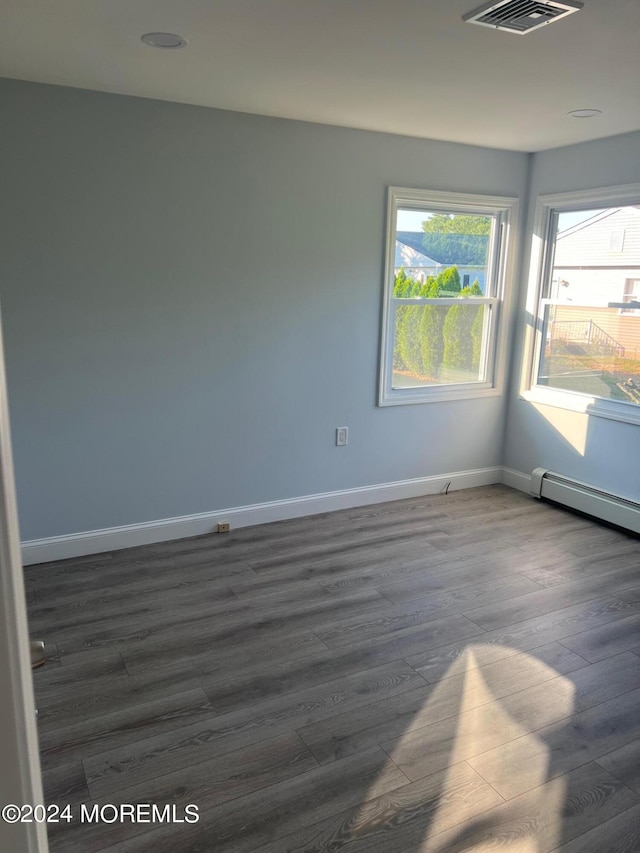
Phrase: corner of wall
{"type": "Point", "coordinates": [513, 344]}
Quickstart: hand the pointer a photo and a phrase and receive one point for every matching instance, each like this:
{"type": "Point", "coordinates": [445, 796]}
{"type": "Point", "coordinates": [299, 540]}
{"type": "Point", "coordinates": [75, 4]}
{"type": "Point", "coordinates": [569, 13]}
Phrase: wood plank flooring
{"type": "Point", "coordinates": [444, 674]}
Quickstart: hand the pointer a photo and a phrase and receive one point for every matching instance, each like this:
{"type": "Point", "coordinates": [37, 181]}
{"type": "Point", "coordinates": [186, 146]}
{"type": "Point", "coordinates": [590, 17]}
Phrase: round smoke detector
{"type": "Point", "coordinates": [166, 41]}
{"type": "Point", "coordinates": [586, 113]}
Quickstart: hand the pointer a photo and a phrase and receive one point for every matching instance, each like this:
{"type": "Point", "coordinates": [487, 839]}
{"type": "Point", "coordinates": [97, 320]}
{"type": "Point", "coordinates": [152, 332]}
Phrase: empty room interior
{"type": "Point", "coordinates": [319, 440]}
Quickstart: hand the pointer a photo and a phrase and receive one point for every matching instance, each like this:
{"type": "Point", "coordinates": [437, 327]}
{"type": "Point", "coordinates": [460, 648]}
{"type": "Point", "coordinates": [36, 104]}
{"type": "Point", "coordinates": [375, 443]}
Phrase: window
{"type": "Point", "coordinates": [444, 286]}
{"type": "Point", "coordinates": [586, 349]}
{"type": "Point", "coordinates": [631, 295]}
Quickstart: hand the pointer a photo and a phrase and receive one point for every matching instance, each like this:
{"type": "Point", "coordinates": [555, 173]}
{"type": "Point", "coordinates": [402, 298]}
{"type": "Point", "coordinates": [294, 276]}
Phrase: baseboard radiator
{"type": "Point", "coordinates": [584, 498]}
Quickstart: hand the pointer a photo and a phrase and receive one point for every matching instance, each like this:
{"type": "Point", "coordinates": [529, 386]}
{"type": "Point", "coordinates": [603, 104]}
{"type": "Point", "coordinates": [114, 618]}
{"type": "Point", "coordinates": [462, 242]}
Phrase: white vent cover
{"type": "Point", "coordinates": [521, 16]}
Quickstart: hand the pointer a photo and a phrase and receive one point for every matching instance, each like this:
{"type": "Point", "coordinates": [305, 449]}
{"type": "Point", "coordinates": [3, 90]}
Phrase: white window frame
{"type": "Point", "coordinates": [501, 263]}
{"type": "Point", "coordinates": [541, 265]}
{"type": "Point", "coordinates": [630, 296]}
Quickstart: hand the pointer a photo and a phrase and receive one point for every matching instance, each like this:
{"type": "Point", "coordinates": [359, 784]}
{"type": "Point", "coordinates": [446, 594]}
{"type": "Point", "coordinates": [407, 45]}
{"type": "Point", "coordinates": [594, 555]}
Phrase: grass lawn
{"type": "Point", "coordinates": [593, 374]}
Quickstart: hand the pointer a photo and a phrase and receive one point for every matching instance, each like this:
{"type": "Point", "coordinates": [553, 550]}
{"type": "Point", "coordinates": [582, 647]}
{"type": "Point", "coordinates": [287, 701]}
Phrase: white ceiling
{"type": "Point", "coordinates": [403, 66]}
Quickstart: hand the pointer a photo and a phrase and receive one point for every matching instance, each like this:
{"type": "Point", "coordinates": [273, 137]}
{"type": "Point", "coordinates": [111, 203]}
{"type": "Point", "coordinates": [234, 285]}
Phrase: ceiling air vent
{"type": "Point", "coordinates": [521, 16]}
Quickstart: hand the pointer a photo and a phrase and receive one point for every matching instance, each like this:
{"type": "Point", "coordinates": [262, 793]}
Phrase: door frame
{"type": "Point", "coordinates": [21, 780]}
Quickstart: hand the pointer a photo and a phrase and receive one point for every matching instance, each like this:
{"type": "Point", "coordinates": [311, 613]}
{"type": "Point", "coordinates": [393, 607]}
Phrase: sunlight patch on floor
{"type": "Point", "coordinates": [469, 812]}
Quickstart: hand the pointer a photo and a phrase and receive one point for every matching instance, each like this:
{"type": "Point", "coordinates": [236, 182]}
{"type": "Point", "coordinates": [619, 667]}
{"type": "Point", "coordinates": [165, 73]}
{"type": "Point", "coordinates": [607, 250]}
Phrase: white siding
{"type": "Point", "coordinates": [597, 243]}
{"type": "Point", "coordinates": [590, 287]}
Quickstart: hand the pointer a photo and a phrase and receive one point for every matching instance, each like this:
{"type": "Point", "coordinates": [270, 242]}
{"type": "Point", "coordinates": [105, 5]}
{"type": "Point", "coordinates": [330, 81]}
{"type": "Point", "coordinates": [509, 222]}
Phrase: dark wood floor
{"type": "Point", "coordinates": [452, 673]}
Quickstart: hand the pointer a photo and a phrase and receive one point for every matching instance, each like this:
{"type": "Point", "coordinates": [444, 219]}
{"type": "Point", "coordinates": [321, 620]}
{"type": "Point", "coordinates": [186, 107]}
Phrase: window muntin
{"type": "Point", "coordinates": [444, 282]}
{"type": "Point", "coordinates": [588, 340]}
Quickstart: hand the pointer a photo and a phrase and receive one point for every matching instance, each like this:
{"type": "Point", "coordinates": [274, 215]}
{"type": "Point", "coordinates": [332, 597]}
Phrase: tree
{"type": "Point", "coordinates": [458, 223]}
{"type": "Point", "coordinates": [431, 326]}
{"type": "Point", "coordinates": [408, 333]}
{"type": "Point", "coordinates": [458, 238]}
{"type": "Point", "coordinates": [404, 287]}
{"type": "Point", "coordinates": [477, 327]}
{"type": "Point", "coordinates": [449, 280]}
{"type": "Point", "coordinates": [477, 330]}
{"type": "Point", "coordinates": [401, 284]}
{"type": "Point", "coordinates": [405, 341]}
{"type": "Point", "coordinates": [430, 288]}
{"type": "Point", "coordinates": [458, 341]}
{"type": "Point", "coordinates": [428, 337]}
{"type": "Point", "coordinates": [463, 332]}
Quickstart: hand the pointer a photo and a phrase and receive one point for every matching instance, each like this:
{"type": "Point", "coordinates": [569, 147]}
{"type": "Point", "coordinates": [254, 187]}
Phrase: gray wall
{"type": "Point", "coordinates": [191, 301]}
{"type": "Point", "coordinates": [602, 452]}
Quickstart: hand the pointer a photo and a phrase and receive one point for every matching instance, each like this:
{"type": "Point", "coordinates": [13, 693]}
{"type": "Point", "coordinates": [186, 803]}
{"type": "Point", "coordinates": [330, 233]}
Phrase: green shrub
{"type": "Point", "coordinates": [408, 334]}
{"type": "Point", "coordinates": [449, 280]}
{"type": "Point", "coordinates": [405, 287]}
{"type": "Point", "coordinates": [463, 332]}
{"type": "Point", "coordinates": [476, 337]}
{"type": "Point", "coordinates": [458, 345]}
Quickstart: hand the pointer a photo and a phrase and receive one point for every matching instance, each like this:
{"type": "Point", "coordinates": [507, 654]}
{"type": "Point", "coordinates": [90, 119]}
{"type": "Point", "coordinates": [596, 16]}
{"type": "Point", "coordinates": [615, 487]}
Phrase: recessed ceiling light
{"type": "Point", "coordinates": [164, 40]}
{"type": "Point", "coordinates": [588, 113]}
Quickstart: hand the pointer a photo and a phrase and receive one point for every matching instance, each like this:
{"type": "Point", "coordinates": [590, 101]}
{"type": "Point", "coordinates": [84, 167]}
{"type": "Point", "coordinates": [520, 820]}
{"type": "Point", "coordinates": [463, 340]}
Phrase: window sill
{"type": "Point", "coordinates": [612, 410]}
{"type": "Point", "coordinates": [438, 395]}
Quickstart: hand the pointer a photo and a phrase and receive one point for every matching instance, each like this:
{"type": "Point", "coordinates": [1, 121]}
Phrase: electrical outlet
{"type": "Point", "coordinates": [342, 436]}
{"type": "Point", "coordinates": [224, 527]}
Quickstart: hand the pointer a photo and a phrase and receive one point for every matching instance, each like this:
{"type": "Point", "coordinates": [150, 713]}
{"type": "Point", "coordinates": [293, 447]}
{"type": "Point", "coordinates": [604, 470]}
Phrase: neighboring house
{"type": "Point", "coordinates": [597, 262]}
{"type": "Point", "coordinates": [422, 254]}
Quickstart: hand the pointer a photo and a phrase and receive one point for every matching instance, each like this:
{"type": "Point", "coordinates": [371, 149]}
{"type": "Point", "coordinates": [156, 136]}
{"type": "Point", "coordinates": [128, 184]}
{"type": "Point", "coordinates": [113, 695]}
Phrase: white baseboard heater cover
{"type": "Point", "coordinates": [584, 498]}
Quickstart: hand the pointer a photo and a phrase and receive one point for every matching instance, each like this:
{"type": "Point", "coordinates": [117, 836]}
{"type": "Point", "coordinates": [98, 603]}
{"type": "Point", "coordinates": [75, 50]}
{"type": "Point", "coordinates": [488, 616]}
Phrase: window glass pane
{"type": "Point", "coordinates": [445, 279]}
{"type": "Point", "coordinates": [591, 340]}
{"type": "Point", "coordinates": [445, 251]}
{"type": "Point", "coordinates": [594, 351]}
{"type": "Point", "coordinates": [439, 344]}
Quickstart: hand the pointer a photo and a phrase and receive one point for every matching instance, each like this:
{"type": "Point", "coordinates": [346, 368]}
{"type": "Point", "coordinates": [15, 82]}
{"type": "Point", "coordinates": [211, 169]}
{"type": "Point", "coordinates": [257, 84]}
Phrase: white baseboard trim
{"type": "Point", "coordinates": [516, 479]}
{"type": "Point", "coordinates": [130, 535]}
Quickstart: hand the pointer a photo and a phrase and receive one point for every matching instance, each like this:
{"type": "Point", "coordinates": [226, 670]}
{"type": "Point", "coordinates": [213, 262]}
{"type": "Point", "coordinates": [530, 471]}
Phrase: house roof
{"type": "Point", "coordinates": [461, 249]}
